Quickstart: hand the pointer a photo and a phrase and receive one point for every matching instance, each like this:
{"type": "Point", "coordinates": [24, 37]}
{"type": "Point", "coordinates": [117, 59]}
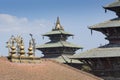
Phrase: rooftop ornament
{"type": "Point", "coordinates": [16, 47]}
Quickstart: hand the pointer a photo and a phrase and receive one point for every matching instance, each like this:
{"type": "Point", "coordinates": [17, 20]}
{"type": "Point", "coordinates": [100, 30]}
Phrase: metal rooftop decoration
{"type": "Point", "coordinates": [16, 50]}
{"type": "Point", "coordinates": [58, 25]}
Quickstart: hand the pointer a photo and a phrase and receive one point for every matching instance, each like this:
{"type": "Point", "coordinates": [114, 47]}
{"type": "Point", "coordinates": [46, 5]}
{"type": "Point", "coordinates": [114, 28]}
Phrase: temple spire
{"type": "Point", "coordinates": [58, 20]}
{"type": "Point", "coordinates": [58, 25]}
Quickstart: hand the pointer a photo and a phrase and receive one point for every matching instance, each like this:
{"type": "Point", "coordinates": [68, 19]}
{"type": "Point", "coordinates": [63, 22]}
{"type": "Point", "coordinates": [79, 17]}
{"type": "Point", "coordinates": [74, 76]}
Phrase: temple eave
{"type": "Point", "coordinates": [59, 32]}
{"type": "Point", "coordinates": [107, 24]}
{"type": "Point", "coordinates": [58, 47]}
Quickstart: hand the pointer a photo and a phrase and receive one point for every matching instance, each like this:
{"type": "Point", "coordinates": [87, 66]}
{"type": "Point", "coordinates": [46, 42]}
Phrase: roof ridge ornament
{"type": "Point", "coordinates": [58, 25]}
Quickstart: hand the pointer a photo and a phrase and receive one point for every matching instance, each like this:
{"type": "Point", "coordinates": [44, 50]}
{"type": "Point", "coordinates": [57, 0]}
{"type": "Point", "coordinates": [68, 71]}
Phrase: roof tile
{"type": "Point", "coordinates": [46, 70]}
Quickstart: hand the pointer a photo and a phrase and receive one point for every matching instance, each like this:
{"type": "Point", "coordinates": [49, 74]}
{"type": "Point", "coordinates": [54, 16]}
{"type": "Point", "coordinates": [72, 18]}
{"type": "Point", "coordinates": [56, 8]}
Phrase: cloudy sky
{"type": "Point", "coordinates": [21, 17]}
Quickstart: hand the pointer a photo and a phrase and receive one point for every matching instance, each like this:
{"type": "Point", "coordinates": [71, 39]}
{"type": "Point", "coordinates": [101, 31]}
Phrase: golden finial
{"type": "Point", "coordinates": [30, 50]}
{"type": "Point", "coordinates": [58, 20]}
{"type": "Point", "coordinates": [13, 49]}
{"type": "Point", "coordinates": [58, 25]}
{"type": "Point", "coordinates": [32, 43]}
{"type": "Point", "coordinates": [22, 51]}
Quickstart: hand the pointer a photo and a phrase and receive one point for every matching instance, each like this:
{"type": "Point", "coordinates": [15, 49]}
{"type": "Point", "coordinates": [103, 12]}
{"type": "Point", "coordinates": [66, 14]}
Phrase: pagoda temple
{"type": "Point", "coordinates": [104, 61]}
{"type": "Point", "coordinates": [58, 46]}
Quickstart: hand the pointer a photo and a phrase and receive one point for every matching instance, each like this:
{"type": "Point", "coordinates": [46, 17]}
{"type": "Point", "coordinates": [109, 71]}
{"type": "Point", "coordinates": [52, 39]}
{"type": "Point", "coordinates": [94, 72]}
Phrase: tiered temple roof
{"type": "Point", "coordinates": [107, 24]}
{"type": "Point", "coordinates": [104, 60]}
{"type": "Point", "coordinates": [99, 53]}
{"type": "Point", "coordinates": [58, 44]}
{"type": "Point", "coordinates": [110, 29]}
{"type": "Point", "coordinates": [53, 32]}
{"type": "Point", "coordinates": [58, 30]}
{"type": "Point", "coordinates": [115, 6]}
